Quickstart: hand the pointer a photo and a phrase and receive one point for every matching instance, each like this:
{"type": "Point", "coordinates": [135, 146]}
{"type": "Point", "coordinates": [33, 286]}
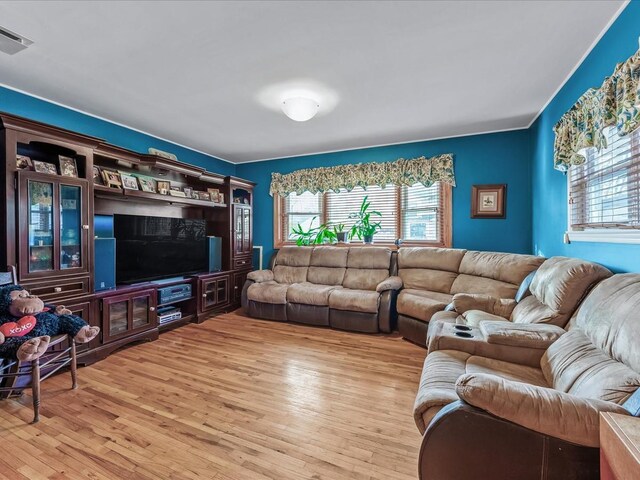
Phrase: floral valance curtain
{"type": "Point", "coordinates": [399, 172]}
{"type": "Point", "coordinates": [615, 104]}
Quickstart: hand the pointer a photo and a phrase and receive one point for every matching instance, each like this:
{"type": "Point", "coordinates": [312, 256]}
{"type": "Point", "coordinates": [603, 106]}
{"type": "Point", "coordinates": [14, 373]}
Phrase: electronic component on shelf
{"type": "Point", "coordinates": [168, 314]}
{"type": "Point", "coordinates": [174, 293]}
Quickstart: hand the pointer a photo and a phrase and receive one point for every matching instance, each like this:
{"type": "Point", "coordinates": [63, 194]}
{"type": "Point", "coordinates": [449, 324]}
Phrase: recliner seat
{"type": "Point", "coordinates": [349, 288]}
{"type": "Point", "coordinates": [544, 418]}
{"type": "Point", "coordinates": [432, 276]}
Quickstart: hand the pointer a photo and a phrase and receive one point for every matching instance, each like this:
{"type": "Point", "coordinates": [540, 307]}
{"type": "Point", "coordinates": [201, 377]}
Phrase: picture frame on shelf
{"type": "Point", "coordinates": [111, 178]}
{"type": "Point", "coordinates": [68, 166]}
{"type": "Point", "coordinates": [97, 176]}
{"type": "Point", "coordinates": [164, 187]}
{"type": "Point", "coordinates": [489, 201]}
{"type": "Point", "coordinates": [176, 192]}
{"type": "Point", "coordinates": [221, 198]}
{"type": "Point", "coordinates": [204, 196]}
{"type": "Point", "coordinates": [129, 182]}
{"type": "Point", "coordinates": [147, 184]}
{"type": "Point", "coordinates": [23, 162]}
{"type": "Point", "coordinates": [188, 192]}
{"type": "Point", "coordinates": [45, 167]}
{"type": "Point", "coordinates": [213, 192]}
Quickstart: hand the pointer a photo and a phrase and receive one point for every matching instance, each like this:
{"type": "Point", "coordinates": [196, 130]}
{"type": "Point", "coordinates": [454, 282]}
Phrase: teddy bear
{"type": "Point", "coordinates": [27, 324]}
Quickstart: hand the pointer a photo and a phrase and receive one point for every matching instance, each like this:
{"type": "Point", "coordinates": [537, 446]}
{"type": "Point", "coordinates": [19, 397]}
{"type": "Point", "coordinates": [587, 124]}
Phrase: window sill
{"type": "Point", "coordinates": [390, 245]}
{"type": "Point", "coordinates": [606, 236]}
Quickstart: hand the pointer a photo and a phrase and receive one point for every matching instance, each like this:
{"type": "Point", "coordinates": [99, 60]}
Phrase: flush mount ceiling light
{"type": "Point", "coordinates": [300, 99]}
{"type": "Point", "coordinates": [300, 109]}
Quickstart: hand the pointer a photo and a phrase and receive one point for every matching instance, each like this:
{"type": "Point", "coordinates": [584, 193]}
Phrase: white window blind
{"type": "Point", "coordinates": [604, 192]}
{"type": "Point", "coordinates": [383, 200]}
{"type": "Point", "coordinates": [301, 209]}
{"type": "Point", "coordinates": [422, 213]}
{"type": "Point", "coordinates": [414, 214]}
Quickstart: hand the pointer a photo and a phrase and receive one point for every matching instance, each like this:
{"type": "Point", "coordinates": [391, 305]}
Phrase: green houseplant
{"type": "Point", "coordinates": [341, 235]}
{"type": "Point", "coordinates": [313, 235]}
{"type": "Point", "coordinates": [364, 228]}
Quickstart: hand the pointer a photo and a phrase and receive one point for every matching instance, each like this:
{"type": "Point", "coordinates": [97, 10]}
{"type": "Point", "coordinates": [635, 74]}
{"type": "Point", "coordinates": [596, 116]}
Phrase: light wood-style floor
{"type": "Point", "coordinates": [232, 398]}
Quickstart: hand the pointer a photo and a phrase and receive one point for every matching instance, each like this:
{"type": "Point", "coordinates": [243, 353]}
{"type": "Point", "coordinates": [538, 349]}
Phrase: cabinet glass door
{"type": "Point", "coordinates": [141, 312]}
{"type": "Point", "coordinates": [238, 229]}
{"type": "Point", "coordinates": [209, 294]}
{"type": "Point", "coordinates": [246, 230]}
{"type": "Point", "coordinates": [221, 291]}
{"type": "Point", "coordinates": [118, 317]}
{"type": "Point", "coordinates": [40, 226]}
{"type": "Point", "coordinates": [70, 227]}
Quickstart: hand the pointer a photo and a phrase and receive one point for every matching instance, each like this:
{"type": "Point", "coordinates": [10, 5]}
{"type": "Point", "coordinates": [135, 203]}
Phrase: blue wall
{"type": "Point", "coordinates": [549, 185]}
{"type": "Point", "coordinates": [42, 111]}
{"type": "Point", "coordinates": [479, 159]}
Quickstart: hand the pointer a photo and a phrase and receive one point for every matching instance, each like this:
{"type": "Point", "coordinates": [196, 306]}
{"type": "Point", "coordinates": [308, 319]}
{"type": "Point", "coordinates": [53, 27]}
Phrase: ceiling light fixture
{"type": "Point", "coordinates": [300, 109]}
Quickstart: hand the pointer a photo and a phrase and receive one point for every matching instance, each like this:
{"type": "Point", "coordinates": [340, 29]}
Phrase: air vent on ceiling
{"type": "Point", "coordinates": [11, 42]}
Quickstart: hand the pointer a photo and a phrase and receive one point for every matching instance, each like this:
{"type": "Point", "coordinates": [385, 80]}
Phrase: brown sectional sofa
{"type": "Point", "coordinates": [432, 276]}
{"type": "Point", "coordinates": [534, 420]}
{"type": "Point", "coordinates": [350, 288]}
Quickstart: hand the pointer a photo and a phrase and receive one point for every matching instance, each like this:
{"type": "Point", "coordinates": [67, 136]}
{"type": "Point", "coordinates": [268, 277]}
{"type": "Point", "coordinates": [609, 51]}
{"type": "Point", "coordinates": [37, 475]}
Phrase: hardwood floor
{"type": "Point", "coordinates": [232, 398]}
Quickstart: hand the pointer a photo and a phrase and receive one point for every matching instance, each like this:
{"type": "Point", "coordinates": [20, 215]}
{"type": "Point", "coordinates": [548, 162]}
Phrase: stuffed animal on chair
{"type": "Point", "coordinates": [27, 324]}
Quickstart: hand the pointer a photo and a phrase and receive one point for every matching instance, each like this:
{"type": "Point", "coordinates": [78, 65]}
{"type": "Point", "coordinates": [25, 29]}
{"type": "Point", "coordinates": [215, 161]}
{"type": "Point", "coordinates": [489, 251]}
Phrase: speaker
{"type": "Point", "coordinates": [214, 251]}
{"type": "Point", "coordinates": [104, 263]}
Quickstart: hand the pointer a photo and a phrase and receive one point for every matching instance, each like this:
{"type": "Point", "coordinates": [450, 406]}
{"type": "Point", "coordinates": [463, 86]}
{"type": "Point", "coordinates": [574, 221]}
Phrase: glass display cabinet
{"type": "Point", "coordinates": [54, 238]}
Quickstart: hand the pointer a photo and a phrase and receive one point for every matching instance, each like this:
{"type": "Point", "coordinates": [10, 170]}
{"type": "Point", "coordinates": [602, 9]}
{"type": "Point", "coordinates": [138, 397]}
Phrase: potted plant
{"type": "Point", "coordinates": [364, 228]}
{"type": "Point", "coordinates": [313, 235]}
{"type": "Point", "coordinates": [341, 235]}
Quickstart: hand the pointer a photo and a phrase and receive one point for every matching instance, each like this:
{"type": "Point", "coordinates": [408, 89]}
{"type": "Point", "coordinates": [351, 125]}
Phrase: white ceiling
{"type": "Point", "coordinates": [202, 74]}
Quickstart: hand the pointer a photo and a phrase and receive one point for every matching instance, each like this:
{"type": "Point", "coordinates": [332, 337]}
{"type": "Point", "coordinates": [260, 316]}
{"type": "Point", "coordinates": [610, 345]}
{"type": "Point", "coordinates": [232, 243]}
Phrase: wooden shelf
{"type": "Point", "coordinates": [121, 194]}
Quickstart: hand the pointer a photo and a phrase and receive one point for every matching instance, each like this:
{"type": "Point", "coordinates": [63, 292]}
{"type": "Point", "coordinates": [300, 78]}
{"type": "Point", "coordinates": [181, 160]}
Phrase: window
{"type": "Point", "coordinates": [604, 192]}
{"type": "Point", "coordinates": [416, 214]}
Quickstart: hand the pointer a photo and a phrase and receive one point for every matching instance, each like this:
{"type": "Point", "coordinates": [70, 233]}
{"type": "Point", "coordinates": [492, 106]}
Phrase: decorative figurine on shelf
{"type": "Point", "coordinates": [27, 324]}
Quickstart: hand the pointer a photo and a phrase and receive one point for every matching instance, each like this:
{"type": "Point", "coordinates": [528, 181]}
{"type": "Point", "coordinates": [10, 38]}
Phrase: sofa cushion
{"type": "Point", "coordinates": [474, 317]}
{"type": "Point", "coordinates": [444, 259]}
{"type": "Point", "coordinates": [268, 292]}
{"type": "Point", "coordinates": [471, 284]}
{"type": "Point", "coordinates": [376, 258]}
{"type": "Point", "coordinates": [562, 282]}
{"type": "Point", "coordinates": [287, 275]}
{"type": "Point", "coordinates": [443, 367]}
{"type": "Point", "coordinates": [530, 310]}
{"type": "Point", "coordinates": [421, 304]}
{"type": "Point", "coordinates": [294, 256]}
{"type": "Point", "coordinates": [427, 279]}
{"type": "Point", "coordinates": [310, 293]}
{"type": "Point", "coordinates": [354, 300]}
{"type": "Point", "coordinates": [505, 267]}
{"type": "Point", "coordinates": [328, 265]}
{"type": "Point", "coordinates": [364, 278]}
{"type": "Point", "coordinates": [573, 364]}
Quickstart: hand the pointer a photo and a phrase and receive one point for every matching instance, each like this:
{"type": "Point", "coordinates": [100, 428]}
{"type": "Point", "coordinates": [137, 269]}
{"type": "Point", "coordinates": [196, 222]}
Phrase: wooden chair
{"type": "Point", "coordinates": [16, 376]}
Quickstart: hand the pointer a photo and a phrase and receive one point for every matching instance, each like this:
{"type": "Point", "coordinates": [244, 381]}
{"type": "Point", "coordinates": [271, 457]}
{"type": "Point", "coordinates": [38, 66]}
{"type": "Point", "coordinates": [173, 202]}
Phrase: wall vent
{"type": "Point", "coordinates": [11, 42]}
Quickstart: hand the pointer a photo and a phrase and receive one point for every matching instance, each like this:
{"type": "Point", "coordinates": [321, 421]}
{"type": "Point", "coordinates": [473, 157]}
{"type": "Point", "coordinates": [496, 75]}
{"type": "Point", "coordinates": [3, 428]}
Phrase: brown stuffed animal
{"type": "Point", "coordinates": [27, 324]}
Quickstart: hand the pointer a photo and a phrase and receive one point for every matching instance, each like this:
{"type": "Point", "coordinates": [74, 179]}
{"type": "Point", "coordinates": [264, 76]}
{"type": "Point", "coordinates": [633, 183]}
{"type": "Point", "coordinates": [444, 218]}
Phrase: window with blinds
{"type": "Point", "coordinates": [415, 214]}
{"type": "Point", "coordinates": [604, 192]}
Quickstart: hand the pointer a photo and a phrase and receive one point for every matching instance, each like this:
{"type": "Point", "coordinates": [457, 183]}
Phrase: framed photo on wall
{"type": "Point", "coordinates": [489, 201]}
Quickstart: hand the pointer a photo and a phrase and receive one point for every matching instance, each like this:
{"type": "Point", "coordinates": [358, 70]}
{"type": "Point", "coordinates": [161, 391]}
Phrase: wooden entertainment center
{"type": "Point", "coordinates": [54, 259]}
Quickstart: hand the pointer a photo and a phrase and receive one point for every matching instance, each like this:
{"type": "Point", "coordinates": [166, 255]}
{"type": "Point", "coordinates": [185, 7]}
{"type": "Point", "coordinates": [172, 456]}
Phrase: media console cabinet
{"type": "Point", "coordinates": [48, 231]}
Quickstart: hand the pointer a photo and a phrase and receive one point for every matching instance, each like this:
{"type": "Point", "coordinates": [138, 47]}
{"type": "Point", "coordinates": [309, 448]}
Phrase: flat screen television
{"type": "Point", "coordinates": [152, 248]}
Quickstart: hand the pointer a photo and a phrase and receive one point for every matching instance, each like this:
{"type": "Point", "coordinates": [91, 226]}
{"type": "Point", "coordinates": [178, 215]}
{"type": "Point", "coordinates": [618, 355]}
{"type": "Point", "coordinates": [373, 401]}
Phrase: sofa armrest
{"type": "Point", "coordinates": [444, 335]}
{"type": "Point", "coordinates": [389, 283]}
{"type": "Point", "coordinates": [260, 276]}
{"type": "Point", "coordinates": [502, 307]}
{"type": "Point", "coordinates": [463, 442]}
{"type": "Point", "coordinates": [544, 410]}
{"type": "Point", "coordinates": [532, 335]}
